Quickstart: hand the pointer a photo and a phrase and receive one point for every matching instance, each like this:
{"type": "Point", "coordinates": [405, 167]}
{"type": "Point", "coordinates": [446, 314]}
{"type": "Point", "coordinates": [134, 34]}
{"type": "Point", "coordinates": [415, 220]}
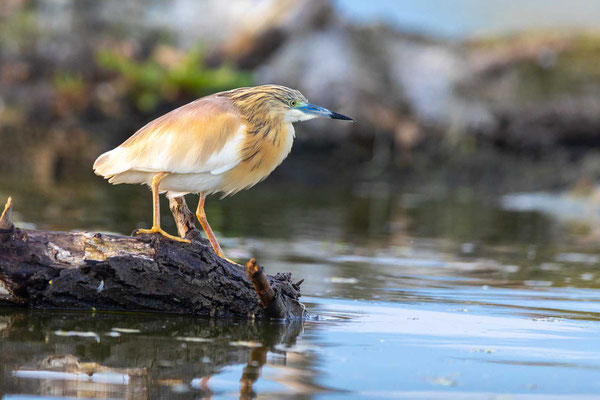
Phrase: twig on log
{"type": "Point", "coordinates": [259, 280]}
{"type": "Point", "coordinates": [184, 219]}
{"type": "Point", "coordinates": [272, 302]}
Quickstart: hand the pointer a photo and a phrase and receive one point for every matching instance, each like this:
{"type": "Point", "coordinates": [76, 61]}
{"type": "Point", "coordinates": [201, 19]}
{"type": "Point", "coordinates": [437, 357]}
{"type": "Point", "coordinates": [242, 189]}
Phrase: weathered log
{"type": "Point", "coordinates": [82, 270]}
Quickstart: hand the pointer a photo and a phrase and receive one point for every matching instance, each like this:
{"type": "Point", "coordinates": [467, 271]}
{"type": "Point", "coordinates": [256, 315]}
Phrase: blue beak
{"type": "Point", "coordinates": [322, 112]}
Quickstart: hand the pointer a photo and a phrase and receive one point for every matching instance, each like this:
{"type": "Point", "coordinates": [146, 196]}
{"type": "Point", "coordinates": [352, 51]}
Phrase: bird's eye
{"type": "Point", "coordinates": [293, 103]}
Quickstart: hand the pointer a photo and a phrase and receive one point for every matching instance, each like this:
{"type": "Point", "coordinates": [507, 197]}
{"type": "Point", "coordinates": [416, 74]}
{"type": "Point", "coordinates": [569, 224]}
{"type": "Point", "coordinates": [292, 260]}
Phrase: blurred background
{"type": "Point", "coordinates": [476, 122]}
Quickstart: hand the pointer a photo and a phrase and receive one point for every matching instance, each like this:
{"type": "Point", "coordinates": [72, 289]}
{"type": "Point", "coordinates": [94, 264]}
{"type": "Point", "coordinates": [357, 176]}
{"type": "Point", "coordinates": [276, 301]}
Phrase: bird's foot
{"type": "Point", "coordinates": [228, 260]}
{"type": "Point", "coordinates": [163, 234]}
{"type": "Point", "coordinates": [221, 255]}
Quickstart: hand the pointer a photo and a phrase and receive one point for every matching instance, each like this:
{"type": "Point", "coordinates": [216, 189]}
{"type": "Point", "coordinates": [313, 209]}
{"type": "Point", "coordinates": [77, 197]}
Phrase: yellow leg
{"type": "Point", "coordinates": [201, 215]}
{"type": "Point", "coordinates": [156, 217]}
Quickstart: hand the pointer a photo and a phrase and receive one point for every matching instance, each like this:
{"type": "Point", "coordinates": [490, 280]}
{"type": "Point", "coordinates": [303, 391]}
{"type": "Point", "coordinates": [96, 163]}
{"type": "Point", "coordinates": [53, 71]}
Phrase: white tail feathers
{"type": "Point", "coordinates": [110, 164]}
{"type": "Point", "coordinates": [100, 164]}
{"type": "Point", "coordinates": [113, 166]}
{"type": "Point", "coordinates": [132, 177]}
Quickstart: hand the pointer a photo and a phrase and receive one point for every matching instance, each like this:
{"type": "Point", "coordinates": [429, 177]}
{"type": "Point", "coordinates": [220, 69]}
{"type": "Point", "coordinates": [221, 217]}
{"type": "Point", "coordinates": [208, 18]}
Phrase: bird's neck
{"type": "Point", "coordinates": [265, 127]}
{"type": "Point", "coordinates": [268, 144]}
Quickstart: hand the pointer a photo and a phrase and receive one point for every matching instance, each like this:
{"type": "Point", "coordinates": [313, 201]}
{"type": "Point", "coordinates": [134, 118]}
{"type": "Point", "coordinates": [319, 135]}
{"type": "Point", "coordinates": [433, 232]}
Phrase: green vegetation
{"type": "Point", "coordinates": [148, 81]}
{"type": "Point", "coordinates": [19, 32]}
{"type": "Point", "coordinates": [65, 82]}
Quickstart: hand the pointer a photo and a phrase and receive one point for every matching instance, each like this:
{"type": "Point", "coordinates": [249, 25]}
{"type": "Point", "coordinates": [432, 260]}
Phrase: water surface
{"type": "Point", "coordinates": [431, 294]}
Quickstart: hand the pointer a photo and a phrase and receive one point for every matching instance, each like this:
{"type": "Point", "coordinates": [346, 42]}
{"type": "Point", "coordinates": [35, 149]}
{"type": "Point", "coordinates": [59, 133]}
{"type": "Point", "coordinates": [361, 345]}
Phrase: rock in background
{"type": "Point", "coordinates": [79, 77]}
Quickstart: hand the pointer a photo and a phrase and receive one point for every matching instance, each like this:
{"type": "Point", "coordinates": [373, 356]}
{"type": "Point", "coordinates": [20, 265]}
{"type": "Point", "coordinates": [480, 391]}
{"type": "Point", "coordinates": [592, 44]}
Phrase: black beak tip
{"type": "Point", "coordinates": [335, 115]}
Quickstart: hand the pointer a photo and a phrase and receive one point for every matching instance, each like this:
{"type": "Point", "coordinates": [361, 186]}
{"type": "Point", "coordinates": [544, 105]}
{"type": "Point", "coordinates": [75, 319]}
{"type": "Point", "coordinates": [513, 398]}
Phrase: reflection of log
{"type": "Point", "coordinates": [156, 354]}
{"type": "Point", "coordinates": [147, 273]}
{"type": "Point", "coordinates": [251, 372]}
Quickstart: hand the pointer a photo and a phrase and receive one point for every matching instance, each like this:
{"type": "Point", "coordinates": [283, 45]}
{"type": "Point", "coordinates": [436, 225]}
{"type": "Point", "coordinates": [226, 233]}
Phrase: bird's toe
{"type": "Point", "coordinates": [162, 233]}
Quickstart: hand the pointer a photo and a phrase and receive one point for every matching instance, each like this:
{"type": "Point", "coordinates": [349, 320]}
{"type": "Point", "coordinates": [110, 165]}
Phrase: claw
{"type": "Point", "coordinates": [227, 259]}
{"type": "Point", "coordinates": [220, 254]}
{"type": "Point", "coordinates": [163, 233]}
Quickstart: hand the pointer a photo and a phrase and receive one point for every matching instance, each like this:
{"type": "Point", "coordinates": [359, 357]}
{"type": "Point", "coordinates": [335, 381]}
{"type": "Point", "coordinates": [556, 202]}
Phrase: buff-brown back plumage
{"type": "Point", "coordinates": [239, 132]}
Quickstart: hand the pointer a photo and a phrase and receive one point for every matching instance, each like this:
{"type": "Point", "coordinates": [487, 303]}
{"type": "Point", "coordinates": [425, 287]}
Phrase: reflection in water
{"type": "Point", "coordinates": [418, 295]}
{"type": "Point", "coordinates": [87, 355]}
{"type": "Point", "coordinates": [371, 214]}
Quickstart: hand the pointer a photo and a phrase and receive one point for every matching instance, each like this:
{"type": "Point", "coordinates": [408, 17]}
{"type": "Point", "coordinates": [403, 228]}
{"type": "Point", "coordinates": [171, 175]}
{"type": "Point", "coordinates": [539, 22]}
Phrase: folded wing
{"type": "Point", "coordinates": [204, 136]}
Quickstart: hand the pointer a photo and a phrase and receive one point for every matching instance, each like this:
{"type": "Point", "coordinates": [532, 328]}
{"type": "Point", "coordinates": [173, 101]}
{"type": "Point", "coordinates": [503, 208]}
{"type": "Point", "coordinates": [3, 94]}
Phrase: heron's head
{"type": "Point", "coordinates": [279, 102]}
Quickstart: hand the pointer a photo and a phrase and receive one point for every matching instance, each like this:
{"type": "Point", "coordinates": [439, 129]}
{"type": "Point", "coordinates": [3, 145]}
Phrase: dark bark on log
{"type": "Point", "coordinates": [81, 270]}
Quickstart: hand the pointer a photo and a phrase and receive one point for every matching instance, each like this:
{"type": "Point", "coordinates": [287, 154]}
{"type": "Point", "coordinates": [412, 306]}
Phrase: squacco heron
{"type": "Point", "coordinates": [224, 143]}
